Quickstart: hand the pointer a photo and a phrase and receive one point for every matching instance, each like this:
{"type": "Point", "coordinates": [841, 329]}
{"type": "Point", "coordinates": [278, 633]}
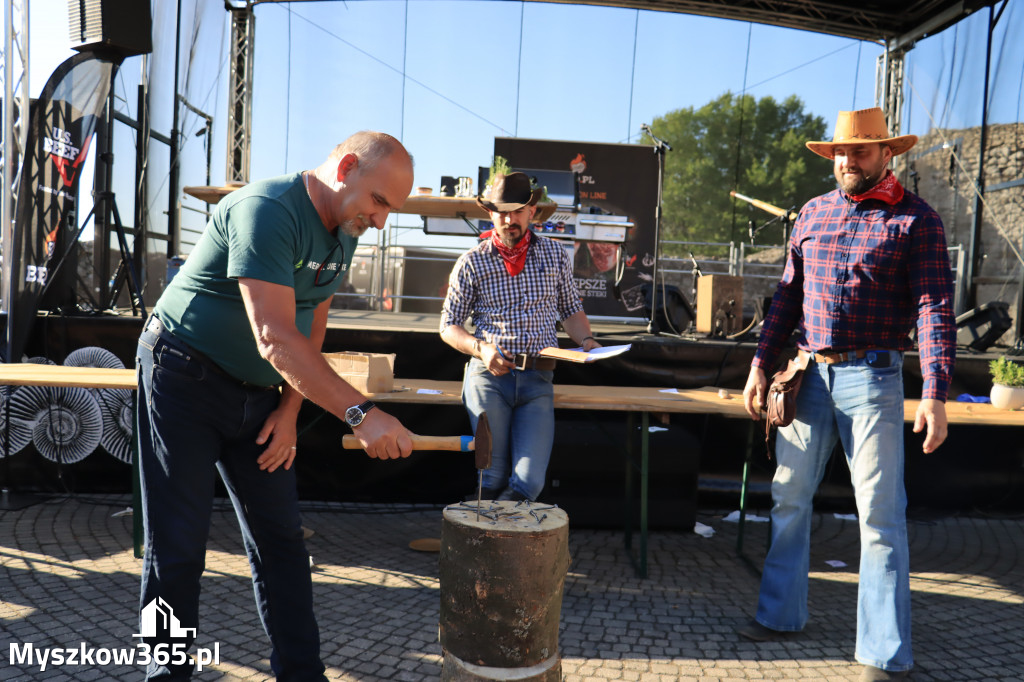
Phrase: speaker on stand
{"type": "Point", "coordinates": [121, 26]}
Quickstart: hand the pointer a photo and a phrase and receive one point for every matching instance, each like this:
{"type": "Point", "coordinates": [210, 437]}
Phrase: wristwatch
{"type": "Point", "coordinates": [354, 415]}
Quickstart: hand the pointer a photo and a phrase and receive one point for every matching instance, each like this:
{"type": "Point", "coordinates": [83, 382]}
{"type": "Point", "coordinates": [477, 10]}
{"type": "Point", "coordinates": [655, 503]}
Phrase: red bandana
{"type": "Point", "coordinates": [888, 190]}
{"type": "Point", "coordinates": [515, 257]}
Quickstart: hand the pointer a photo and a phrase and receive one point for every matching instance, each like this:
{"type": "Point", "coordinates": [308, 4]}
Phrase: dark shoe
{"type": "Point", "coordinates": [485, 494]}
{"type": "Point", "coordinates": [873, 674]}
{"type": "Point", "coordinates": [512, 495]}
{"type": "Point", "coordinates": [756, 632]}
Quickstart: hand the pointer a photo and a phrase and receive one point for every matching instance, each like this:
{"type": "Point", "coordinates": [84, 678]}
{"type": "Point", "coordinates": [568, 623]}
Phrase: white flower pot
{"type": "Point", "coordinates": [1007, 397]}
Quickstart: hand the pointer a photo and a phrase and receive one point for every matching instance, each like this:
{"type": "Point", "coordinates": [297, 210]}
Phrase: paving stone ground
{"type": "Point", "coordinates": [68, 577]}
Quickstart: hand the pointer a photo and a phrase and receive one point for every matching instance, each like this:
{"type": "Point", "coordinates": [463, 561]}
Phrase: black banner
{"type": "Point", "coordinates": [621, 179]}
{"type": "Point", "coordinates": [62, 122]}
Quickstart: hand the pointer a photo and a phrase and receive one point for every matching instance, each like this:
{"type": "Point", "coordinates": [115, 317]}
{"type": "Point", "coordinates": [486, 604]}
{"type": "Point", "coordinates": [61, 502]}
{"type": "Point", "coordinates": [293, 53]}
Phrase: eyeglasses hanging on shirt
{"type": "Point", "coordinates": [321, 279]}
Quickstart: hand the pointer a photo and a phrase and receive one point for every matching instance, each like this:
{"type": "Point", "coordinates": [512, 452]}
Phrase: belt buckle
{"type": "Point", "coordinates": [521, 360]}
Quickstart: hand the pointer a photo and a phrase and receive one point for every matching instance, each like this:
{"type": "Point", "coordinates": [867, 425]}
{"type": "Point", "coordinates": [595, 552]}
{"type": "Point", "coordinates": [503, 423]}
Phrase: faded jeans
{"type": "Point", "coordinates": [195, 423]}
{"type": "Point", "coordinates": [862, 407]}
{"type": "Point", "coordinates": [520, 409]}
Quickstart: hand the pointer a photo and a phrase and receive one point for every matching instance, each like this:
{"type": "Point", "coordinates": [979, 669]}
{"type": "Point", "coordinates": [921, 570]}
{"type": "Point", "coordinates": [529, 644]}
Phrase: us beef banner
{"type": "Point", "coordinates": [62, 123]}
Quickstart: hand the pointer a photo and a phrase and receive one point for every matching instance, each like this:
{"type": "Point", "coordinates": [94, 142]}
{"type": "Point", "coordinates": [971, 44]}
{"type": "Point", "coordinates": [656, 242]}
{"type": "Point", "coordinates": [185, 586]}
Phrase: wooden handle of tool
{"type": "Point", "coordinates": [454, 443]}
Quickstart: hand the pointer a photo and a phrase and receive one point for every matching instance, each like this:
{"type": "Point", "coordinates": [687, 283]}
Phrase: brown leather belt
{"type": "Point", "coordinates": [832, 357]}
{"type": "Point", "coordinates": [524, 361]}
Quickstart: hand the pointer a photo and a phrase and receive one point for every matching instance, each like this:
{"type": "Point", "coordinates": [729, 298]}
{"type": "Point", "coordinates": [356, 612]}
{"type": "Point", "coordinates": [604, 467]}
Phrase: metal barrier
{"type": "Point", "coordinates": [382, 295]}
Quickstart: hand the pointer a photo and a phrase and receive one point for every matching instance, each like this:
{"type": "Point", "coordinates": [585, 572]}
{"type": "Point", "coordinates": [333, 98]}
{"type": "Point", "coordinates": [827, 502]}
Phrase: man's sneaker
{"type": "Point", "coordinates": [485, 494]}
{"type": "Point", "coordinates": [511, 495]}
{"type": "Point", "coordinates": [756, 632]}
{"type": "Point", "coordinates": [873, 674]}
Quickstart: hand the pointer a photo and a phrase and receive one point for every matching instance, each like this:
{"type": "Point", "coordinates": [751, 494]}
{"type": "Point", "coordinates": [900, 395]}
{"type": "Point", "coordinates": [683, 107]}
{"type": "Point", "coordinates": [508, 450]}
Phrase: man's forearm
{"type": "Point", "coordinates": [577, 326]}
{"type": "Point", "coordinates": [461, 340]}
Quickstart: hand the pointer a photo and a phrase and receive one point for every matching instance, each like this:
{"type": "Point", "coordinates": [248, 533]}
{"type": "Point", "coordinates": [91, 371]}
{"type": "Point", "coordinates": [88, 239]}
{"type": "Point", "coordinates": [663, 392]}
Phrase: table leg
{"type": "Point", "coordinates": [644, 477]}
{"type": "Point", "coordinates": [136, 485]}
{"type": "Point", "coordinates": [743, 489]}
{"type": "Point", "coordinates": [627, 513]}
{"type": "Point", "coordinates": [639, 560]}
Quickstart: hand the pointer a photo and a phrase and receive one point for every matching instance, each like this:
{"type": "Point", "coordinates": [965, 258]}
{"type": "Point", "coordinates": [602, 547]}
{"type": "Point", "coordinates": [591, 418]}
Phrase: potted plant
{"type": "Point", "coordinates": [1007, 384]}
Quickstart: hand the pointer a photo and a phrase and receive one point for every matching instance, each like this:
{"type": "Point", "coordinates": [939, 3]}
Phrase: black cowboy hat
{"type": "Point", "coordinates": [509, 193]}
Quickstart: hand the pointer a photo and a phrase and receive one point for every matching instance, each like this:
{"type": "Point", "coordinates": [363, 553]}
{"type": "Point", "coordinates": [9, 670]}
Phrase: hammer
{"type": "Point", "coordinates": [480, 444]}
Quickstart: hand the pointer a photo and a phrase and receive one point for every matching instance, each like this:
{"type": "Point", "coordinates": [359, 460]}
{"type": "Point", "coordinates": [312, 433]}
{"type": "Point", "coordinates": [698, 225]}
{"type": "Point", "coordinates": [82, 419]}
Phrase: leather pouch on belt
{"type": "Point", "coordinates": [781, 402]}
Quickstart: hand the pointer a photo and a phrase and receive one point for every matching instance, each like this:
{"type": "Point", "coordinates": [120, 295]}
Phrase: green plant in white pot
{"type": "Point", "coordinates": [1007, 384]}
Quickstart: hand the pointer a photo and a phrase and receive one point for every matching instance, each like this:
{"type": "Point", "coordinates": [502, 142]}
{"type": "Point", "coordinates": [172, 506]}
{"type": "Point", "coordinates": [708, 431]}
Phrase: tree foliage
{"type": "Point", "coordinates": [755, 147]}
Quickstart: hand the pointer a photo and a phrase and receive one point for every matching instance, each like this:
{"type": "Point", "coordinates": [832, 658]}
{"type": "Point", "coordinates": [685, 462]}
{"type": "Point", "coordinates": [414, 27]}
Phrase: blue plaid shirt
{"type": "Point", "coordinates": [516, 313]}
{"type": "Point", "coordinates": [858, 275]}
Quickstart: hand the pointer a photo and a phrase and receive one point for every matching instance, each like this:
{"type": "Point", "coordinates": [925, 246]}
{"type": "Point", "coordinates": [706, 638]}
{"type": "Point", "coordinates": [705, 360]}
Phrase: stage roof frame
{"type": "Point", "coordinates": [894, 23]}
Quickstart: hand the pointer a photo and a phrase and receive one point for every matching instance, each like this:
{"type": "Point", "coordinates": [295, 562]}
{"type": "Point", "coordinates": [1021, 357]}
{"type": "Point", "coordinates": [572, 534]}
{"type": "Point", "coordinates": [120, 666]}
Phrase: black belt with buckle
{"type": "Point", "coordinates": [155, 326]}
{"type": "Point", "coordinates": [524, 361]}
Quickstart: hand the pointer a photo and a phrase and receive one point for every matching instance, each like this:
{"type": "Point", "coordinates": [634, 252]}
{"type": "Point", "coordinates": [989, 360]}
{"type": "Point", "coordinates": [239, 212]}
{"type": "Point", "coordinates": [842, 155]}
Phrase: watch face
{"type": "Point", "coordinates": [354, 416]}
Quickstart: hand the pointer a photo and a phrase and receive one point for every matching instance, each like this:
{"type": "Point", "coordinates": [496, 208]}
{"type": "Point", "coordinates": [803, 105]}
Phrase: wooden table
{"type": "Point", "coordinates": [977, 414]}
{"type": "Point", "coordinates": [628, 399]}
{"type": "Point", "coordinates": [418, 204]}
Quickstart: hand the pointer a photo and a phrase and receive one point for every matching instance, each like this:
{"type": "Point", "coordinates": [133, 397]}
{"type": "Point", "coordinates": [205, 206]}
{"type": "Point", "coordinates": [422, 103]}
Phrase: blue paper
{"type": "Point", "coordinates": [968, 398]}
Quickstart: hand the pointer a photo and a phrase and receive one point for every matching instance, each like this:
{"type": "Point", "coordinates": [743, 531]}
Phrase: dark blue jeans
{"type": "Point", "coordinates": [193, 423]}
{"type": "Point", "coordinates": [520, 409]}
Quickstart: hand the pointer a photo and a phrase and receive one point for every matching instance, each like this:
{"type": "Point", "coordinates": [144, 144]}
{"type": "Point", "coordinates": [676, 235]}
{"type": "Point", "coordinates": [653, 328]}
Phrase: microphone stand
{"type": "Point", "coordinates": [695, 274]}
{"type": "Point", "coordinates": [782, 217]}
{"type": "Point", "coordinates": [660, 147]}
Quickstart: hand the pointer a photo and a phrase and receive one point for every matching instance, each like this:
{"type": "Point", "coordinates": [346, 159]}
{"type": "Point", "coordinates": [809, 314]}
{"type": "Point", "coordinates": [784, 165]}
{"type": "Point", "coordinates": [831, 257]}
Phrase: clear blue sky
{"type": "Point", "coordinates": [449, 76]}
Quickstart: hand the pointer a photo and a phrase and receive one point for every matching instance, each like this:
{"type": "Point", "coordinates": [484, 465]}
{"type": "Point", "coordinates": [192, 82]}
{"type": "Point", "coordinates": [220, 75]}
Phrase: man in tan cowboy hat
{"type": "Point", "coordinates": [866, 262]}
{"type": "Point", "coordinates": [516, 286]}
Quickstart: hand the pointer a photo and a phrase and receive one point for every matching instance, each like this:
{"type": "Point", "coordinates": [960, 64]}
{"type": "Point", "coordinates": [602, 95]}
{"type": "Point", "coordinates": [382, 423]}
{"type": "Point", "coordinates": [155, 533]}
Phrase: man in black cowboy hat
{"type": "Point", "coordinates": [516, 286]}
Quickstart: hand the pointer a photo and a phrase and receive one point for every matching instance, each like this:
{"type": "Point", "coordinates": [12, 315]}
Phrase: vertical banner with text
{"type": "Point", "coordinates": [62, 123]}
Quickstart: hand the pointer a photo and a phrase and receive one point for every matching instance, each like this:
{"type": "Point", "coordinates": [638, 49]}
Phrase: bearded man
{"type": "Point", "coordinates": [866, 261]}
{"type": "Point", "coordinates": [515, 285]}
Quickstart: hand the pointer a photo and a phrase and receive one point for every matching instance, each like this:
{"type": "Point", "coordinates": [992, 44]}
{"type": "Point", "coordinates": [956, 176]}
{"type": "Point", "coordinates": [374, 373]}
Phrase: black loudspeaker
{"type": "Point", "coordinates": [981, 327]}
{"type": "Point", "coordinates": [121, 26]}
{"type": "Point", "coordinates": [674, 311]}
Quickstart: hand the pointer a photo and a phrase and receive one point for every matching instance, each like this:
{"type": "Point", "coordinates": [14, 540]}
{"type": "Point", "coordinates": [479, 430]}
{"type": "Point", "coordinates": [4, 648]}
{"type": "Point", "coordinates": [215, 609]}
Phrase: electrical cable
{"type": "Point", "coordinates": [397, 71]}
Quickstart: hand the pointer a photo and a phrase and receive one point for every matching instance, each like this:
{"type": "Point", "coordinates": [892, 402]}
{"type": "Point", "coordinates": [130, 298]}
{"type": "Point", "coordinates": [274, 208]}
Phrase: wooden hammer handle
{"type": "Point", "coordinates": [454, 443]}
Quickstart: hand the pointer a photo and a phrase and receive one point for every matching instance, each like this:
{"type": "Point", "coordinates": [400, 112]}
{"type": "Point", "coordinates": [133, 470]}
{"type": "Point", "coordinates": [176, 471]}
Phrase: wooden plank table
{"type": "Point", "coordinates": [628, 399]}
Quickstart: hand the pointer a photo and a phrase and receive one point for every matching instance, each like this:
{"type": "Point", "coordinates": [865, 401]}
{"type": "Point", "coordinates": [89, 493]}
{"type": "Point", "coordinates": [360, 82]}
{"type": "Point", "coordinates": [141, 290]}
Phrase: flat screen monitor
{"type": "Point", "coordinates": [563, 188]}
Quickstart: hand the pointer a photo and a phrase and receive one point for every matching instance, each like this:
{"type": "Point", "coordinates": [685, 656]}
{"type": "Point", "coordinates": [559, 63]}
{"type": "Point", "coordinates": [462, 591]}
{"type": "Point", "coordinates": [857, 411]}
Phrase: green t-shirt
{"type": "Point", "coordinates": [267, 230]}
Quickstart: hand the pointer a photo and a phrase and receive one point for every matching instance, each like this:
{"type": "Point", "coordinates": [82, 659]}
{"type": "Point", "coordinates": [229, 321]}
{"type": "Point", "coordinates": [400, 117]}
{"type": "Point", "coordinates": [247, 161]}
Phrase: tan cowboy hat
{"type": "Point", "coordinates": [860, 127]}
{"type": "Point", "coordinates": [509, 193]}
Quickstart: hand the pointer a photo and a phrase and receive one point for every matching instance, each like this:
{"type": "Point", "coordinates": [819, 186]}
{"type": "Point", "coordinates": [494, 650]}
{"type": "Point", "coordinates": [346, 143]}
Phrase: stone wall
{"type": "Point", "coordinates": [943, 170]}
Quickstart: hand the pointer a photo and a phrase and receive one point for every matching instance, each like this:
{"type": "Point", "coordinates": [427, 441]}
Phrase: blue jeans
{"type": "Point", "coordinates": [193, 423]}
{"type": "Point", "coordinates": [861, 406]}
{"type": "Point", "coordinates": [520, 409]}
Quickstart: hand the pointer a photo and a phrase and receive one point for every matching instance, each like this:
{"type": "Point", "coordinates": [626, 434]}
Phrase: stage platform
{"type": "Point", "coordinates": [973, 470]}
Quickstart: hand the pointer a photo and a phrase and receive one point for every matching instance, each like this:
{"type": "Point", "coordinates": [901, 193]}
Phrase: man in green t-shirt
{"type": "Point", "coordinates": [232, 348]}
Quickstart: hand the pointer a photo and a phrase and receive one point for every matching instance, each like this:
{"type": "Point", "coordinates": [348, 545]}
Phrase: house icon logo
{"type": "Point", "coordinates": [158, 617]}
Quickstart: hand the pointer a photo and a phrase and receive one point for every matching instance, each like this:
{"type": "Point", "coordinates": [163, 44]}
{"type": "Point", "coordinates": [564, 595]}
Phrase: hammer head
{"type": "Point", "coordinates": [483, 442]}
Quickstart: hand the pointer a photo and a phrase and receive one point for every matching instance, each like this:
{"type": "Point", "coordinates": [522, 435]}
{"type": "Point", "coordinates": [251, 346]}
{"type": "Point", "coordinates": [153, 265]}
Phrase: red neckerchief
{"type": "Point", "coordinates": [888, 190]}
{"type": "Point", "coordinates": [515, 257]}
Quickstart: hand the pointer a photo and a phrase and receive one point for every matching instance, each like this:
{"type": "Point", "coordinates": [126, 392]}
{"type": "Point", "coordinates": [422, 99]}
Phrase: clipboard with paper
{"type": "Point", "coordinates": [580, 355]}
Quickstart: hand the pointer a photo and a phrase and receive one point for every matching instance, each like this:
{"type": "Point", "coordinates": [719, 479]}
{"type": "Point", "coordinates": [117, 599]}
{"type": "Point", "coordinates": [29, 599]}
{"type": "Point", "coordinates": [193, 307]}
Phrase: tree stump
{"type": "Point", "coordinates": [501, 591]}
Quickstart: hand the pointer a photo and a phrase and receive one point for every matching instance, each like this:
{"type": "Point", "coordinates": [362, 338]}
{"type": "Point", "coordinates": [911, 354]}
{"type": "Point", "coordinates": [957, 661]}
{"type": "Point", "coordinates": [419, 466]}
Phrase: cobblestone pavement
{"type": "Point", "coordinates": [68, 578]}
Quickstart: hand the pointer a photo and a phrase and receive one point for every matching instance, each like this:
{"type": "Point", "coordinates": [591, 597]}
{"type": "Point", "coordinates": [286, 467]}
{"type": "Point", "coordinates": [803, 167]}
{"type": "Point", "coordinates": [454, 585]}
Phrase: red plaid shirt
{"type": "Point", "coordinates": [858, 275]}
